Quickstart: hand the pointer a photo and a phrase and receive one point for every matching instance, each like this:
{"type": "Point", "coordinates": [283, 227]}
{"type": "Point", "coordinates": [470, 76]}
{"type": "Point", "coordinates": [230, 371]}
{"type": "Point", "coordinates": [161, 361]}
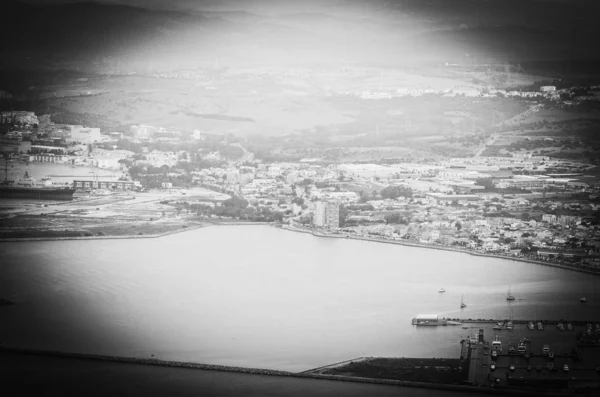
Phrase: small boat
{"type": "Point", "coordinates": [540, 326]}
{"type": "Point", "coordinates": [583, 300]}
{"type": "Point", "coordinates": [509, 297]}
{"type": "Point", "coordinates": [570, 326]}
{"type": "Point", "coordinates": [531, 325]}
{"type": "Point", "coordinates": [462, 304]}
{"type": "Point", "coordinates": [442, 290]}
{"type": "Point", "coordinates": [465, 327]}
{"type": "Point", "coordinates": [560, 326]}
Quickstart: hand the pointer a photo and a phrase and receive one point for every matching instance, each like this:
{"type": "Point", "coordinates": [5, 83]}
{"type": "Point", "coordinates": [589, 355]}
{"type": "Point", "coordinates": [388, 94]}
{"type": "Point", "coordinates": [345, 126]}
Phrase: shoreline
{"type": "Point", "coordinates": [442, 248]}
{"type": "Point", "coordinates": [184, 228]}
{"type": "Point", "coordinates": [300, 230]}
{"type": "Point", "coordinates": [267, 372]}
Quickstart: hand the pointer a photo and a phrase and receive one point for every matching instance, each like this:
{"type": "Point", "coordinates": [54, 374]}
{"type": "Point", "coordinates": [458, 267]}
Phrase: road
{"type": "Point", "coordinates": [512, 120]}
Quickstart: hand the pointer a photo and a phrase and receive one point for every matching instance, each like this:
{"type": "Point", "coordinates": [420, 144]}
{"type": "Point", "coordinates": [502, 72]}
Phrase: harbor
{"type": "Point", "coordinates": [435, 320]}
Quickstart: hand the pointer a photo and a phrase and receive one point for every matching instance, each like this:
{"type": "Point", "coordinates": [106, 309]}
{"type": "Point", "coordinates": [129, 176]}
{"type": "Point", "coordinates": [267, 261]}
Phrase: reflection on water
{"type": "Point", "coordinates": [263, 297]}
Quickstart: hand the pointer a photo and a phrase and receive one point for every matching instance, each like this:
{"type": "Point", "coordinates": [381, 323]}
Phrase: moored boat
{"type": "Point", "coordinates": [560, 326]}
{"type": "Point", "coordinates": [540, 326]}
{"type": "Point", "coordinates": [570, 326]}
{"type": "Point", "coordinates": [531, 325]}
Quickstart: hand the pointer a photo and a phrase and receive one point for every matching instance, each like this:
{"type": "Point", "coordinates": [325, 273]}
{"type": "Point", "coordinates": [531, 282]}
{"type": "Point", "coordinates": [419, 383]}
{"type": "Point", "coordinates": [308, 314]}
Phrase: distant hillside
{"type": "Point", "coordinates": [96, 37]}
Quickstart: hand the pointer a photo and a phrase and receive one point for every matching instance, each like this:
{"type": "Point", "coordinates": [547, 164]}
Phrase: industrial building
{"type": "Point", "coordinates": [111, 185]}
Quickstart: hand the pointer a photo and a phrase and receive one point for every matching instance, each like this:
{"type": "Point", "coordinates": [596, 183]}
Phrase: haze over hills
{"type": "Point", "coordinates": [270, 67]}
{"type": "Point", "coordinates": [384, 33]}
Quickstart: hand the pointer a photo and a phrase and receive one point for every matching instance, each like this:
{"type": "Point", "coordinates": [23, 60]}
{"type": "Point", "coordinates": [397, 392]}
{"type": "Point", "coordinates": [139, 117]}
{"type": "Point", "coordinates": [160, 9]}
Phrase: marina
{"type": "Point", "coordinates": [434, 319]}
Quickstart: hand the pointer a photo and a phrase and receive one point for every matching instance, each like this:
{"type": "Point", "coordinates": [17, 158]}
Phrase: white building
{"type": "Point", "coordinates": [85, 135]}
{"type": "Point", "coordinates": [549, 218]}
{"type": "Point", "coordinates": [327, 214]}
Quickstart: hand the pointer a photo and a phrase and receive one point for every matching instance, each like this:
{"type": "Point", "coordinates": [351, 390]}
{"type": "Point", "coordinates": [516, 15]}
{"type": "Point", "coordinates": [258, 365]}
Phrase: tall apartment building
{"type": "Point", "coordinates": [327, 214]}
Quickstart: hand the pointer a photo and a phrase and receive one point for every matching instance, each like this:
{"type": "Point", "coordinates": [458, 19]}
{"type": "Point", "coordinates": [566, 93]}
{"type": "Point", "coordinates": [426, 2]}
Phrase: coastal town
{"type": "Point", "coordinates": [527, 205]}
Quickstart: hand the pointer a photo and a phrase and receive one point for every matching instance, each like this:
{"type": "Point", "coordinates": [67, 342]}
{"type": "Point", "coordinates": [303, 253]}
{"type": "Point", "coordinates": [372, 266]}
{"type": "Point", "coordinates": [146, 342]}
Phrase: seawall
{"type": "Point", "coordinates": [443, 248]}
{"type": "Point", "coordinates": [269, 372]}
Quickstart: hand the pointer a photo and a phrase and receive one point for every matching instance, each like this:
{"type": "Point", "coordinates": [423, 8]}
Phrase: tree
{"type": "Point", "coordinates": [298, 201]}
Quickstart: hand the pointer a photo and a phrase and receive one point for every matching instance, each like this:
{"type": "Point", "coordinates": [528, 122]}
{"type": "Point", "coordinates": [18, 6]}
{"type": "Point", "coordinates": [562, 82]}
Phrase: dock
{"type": "Point", "coordinates": [496, 321]}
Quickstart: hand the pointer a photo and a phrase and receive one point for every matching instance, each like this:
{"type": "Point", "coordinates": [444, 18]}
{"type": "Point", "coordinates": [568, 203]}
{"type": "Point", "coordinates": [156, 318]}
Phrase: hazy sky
{"type": "Point", "coordinates": [273, 6]}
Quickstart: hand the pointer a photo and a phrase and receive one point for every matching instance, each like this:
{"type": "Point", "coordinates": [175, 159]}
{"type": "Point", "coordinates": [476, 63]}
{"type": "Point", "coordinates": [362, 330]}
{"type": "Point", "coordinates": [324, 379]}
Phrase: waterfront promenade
{"type": "Point", "coordinates": [322, 233]}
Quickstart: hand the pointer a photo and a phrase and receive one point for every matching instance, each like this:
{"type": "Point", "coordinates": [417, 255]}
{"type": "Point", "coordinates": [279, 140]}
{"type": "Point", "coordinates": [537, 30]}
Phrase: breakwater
{"type": "Point", "coordinates": [146, 361]}
{"type": "Point", "coordinates": [442, 248]}
{"type": "Point", "coordinates": [268, 372]}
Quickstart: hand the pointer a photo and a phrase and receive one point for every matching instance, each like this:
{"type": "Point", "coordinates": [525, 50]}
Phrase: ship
{"type": "Point", "coordinates": [30, 188]}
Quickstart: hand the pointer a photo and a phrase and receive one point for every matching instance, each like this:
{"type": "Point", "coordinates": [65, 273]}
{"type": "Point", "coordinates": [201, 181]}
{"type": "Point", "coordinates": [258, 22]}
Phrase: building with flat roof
{"type": "Point", "coordinates": [85, 135]}
{"type": "Point", "coordinates": [110, 185]}
{"type": "Point", "coordinates": [327, 214]}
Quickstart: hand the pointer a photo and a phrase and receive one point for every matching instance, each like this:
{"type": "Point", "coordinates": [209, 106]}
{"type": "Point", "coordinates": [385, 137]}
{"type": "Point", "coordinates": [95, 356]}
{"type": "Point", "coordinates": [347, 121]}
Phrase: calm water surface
{"type": "Point", "coordinates": [264, 297]}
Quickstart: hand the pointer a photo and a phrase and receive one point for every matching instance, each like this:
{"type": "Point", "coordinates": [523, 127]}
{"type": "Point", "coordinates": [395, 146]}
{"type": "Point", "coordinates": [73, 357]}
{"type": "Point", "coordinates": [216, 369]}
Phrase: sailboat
{"type": "Point", "coordinates": [509, 297]}
{"type": "Point", "coordinates": [462, 304]}
{"type": "Point", "coordinates": [509, 324]}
